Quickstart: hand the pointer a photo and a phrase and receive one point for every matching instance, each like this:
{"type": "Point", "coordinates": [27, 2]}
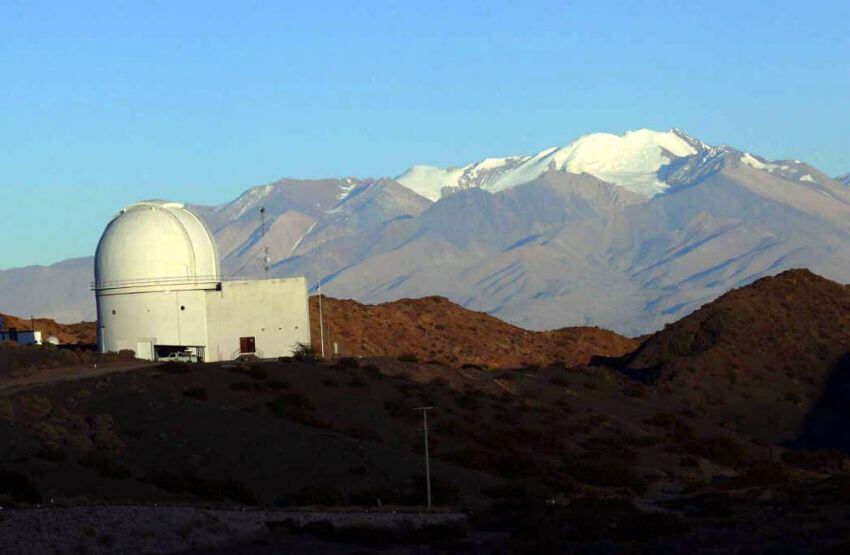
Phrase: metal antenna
{"type": "Point", "coordinates": [427, 458]}
{"type": "Point", "coordinates": [266, 259]}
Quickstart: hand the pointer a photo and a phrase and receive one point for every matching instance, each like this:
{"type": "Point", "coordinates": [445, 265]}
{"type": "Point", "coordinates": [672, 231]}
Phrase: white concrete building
{"type": "Point", "coordinates": [21, 337]}
{"type": "Point", "coordinates": [159, 291]}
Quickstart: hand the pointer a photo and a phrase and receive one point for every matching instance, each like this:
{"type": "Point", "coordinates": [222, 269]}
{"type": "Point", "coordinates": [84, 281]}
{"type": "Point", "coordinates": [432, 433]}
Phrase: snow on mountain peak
{"type": "Point", "coordinates": [631, 160]}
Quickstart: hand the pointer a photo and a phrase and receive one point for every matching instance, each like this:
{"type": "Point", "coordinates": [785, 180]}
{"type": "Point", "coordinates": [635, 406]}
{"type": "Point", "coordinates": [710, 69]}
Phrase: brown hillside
{"type": "Point", "coordinates": [757, 357]}
{"type": "Point", "coordinates": [83, 332]}
{"type": "Point", "coordinates": [434, 328]}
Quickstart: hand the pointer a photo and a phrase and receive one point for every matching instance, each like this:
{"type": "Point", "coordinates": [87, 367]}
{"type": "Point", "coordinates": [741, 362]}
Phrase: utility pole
{"type": "Point", "coordinates": [427, 459]}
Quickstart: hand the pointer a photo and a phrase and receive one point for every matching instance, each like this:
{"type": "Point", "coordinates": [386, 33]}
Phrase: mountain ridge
{"type": "Point", "coordinates": [564, 249]}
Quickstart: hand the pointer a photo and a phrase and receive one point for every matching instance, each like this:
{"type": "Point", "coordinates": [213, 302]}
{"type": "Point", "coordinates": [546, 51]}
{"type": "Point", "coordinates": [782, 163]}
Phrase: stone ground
{"type": "Point", "coordinates": [144, 529]}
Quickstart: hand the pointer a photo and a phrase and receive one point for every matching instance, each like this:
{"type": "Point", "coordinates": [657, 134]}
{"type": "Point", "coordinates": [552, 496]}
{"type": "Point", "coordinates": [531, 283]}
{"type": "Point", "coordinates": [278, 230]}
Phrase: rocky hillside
{"type": "Point", "coordinates": [434, 328]}
{"type": "Point", "coordinates": [760, 358]}
{"type": "Point", "coordinates": [83, 332]}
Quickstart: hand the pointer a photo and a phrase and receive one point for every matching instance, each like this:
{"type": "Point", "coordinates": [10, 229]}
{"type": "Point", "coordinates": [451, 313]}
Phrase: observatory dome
{"type": "Point", "coordinates": [155, 243]}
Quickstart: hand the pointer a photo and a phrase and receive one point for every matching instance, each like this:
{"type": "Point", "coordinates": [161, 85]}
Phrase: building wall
{"type": "Point", "coordinates": [273, 311]}
{"type": "Point", "coordinates": [26, 337]}
{"type": "Point", "coordinates": [139, 320]}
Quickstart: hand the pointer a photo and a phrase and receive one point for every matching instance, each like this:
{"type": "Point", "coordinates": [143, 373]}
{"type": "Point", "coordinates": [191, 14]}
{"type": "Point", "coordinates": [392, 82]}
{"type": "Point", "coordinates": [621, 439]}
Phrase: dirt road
{"type": "Point", "coordinates": [69, 373]}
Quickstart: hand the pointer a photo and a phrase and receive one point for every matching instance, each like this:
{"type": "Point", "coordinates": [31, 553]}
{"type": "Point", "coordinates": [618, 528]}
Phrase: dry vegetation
{"type": "Point", "coordinates": [702, 440]}
{"type": "Point", "coordinates": [436, 329]}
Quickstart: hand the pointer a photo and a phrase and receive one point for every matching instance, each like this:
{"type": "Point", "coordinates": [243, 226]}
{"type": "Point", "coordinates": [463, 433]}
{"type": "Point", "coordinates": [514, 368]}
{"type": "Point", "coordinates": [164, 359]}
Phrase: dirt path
{"type": "Point", "coordinates": [69, 373]}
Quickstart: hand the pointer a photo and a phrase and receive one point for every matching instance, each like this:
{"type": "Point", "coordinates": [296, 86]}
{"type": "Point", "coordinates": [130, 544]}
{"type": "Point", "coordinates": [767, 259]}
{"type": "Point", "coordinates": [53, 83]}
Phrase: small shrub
{"type": "Point", "coordinates": [824, 460]}
{"type": "Point", "coordinates": [105, 464]}
{"type": "Point", "coordinates": [312, 495]}
{"type": "Point", "coordinates": [18, 487]}
{"type": "Point", "coordinates": [276, 384]}
{"type": "Point", "coordinates": [466, 401]}
{"type": "Point", "coordinates": [408, 357]}
{"type": "Point", "coordinates": [175, 367]}
{"type": "Point", "coordinates": [762, 474]}
{"type": "Point", "coordinates": [329, 382]}
{"type": "Point", "coordinates": [373, 370]}
{"type": "Point", "coordinates": [37, 406]}
{"type": "Point", "coordinates": [395, 408]}
{"type": "Point", "coordinates": [52, 454]}
{"type": "Point", "coordinates": [356, 381]}
{"type": "Point", "coordinates": [257, 372]}
{"type": "Point", "coordinates": [7, 410]}
{"type": "Point", "coordinates": [189, 481]}
{"type": "Point", "coordinates": [559, 381]}
{"type": "Point", "coordinates": [247, 386]}
{"type": "Point", "coordinates": [297, 408]}
{"type": "Point", "coordinates": [720, 449]}
{"type": "Point", "coordinates": [198, 393]}
{"type": "Point", "coordinates": [304, 352]}
{"type": "Point", "coordinates": [349, 362]}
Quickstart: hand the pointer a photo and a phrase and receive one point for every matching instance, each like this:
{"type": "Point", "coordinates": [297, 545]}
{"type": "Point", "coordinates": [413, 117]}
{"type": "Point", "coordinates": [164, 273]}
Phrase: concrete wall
{"type": "Point", "coordinates": [137, 321]}
{"type": "Point", "coordinates": [272, 311]}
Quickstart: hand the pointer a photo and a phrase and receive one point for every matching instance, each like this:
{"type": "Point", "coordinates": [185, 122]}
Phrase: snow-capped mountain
{"type": "Point", "coordinates": [631, 160]}
{"type": "Point", "coordinates": [627, 232]}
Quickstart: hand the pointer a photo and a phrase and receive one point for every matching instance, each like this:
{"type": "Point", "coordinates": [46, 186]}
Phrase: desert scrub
{"type": "Point", "coordinates": [7, 410]}
{"type": "Point", "coordinates": [198, 393]}
{"type": "Point", "coordinates": [105, 464]}
{"type": "Point", "coordinates": [37, 406]}
{"type": "Point", "coordinates": [17, 487]}
{"type": "Point", "coordinates": [304, 352]}
{"type": "Point", "coordinates": [297, 408]}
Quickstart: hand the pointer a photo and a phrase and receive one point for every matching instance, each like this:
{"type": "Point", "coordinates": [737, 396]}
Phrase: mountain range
{"type": "Point", "coordinates": [625, 232]}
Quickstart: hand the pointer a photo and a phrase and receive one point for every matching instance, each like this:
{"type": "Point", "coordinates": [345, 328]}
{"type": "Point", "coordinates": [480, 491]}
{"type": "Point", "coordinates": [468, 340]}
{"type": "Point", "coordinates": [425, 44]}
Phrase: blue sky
{"type": "Point", "coordinates": [105, 103]}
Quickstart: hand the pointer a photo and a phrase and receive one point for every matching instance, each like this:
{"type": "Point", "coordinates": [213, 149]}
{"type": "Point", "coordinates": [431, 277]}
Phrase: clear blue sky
{"type": "Point", "coordinates": [104, 103]}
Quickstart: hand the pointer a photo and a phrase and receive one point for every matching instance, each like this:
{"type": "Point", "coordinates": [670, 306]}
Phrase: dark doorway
{"type": "Point", "coordinates": [247, 345]}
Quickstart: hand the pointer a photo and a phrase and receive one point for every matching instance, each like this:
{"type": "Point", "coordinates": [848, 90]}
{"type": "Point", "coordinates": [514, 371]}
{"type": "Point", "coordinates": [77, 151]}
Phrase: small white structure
{"type": "Point", "coordinates": [21, 337]}
{"type": "Point", "coordinates": [159, 291]}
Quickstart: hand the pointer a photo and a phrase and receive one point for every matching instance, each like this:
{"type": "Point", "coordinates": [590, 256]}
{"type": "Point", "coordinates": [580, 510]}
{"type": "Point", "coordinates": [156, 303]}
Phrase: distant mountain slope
{"type": "Point", "coordinates": [60, 291]}
{"type": "Point", "coordinates": [561, 249]}
{"type": "Point", "coordinates": [844, 178]}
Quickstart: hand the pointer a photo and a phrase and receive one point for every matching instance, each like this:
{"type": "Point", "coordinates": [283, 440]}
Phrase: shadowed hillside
{"type": "Point", "coordinates": [720, 432]}
{"type": "Point", "coordinates": [758, 357]}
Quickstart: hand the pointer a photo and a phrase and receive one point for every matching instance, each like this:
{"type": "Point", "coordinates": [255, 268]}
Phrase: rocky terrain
{"type": "Point", "coordinates": [723, 432]}
{"type": "Point", "coordinates": [84, 333]}
{"type": "Point", "coordinates": [438, 330]}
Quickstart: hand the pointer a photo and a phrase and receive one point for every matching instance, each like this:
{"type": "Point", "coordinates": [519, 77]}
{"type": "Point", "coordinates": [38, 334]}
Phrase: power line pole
{"type": "Point", "coordinates": [427, 458]}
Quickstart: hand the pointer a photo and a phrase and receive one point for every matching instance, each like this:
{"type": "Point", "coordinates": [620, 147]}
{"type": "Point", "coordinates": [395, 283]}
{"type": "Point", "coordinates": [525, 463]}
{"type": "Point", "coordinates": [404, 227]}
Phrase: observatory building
{"type": "Point", "coordinates": [159, 293]}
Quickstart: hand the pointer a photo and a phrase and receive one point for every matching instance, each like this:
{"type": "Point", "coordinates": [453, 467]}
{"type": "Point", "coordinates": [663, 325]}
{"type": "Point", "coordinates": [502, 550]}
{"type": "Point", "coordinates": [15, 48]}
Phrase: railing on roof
{"type": "Point", "coordinates": [182, 280]}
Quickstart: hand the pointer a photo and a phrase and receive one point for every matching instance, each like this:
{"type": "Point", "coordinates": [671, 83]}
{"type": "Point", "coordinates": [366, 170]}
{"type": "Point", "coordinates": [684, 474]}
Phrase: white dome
{"type": "Point", "coordinates": [155, 243]}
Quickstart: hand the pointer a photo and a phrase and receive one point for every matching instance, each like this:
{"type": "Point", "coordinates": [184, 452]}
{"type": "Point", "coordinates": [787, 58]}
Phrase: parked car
{"type": "Point", "coordinates": [180, 356]}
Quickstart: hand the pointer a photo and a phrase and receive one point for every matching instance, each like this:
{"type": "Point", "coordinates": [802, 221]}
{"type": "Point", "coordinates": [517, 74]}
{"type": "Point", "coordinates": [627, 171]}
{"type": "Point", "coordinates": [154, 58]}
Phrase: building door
{"type": "Point", "coordinates": [247, 345]}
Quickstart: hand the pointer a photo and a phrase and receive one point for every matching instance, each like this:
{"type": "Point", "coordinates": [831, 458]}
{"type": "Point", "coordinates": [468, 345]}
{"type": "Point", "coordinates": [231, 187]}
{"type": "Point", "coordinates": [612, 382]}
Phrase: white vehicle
{"type": "Point", "coordinates": [180, 356]}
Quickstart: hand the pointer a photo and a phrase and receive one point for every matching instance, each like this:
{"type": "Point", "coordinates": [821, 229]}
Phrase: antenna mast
{"type": "Point", "coordinates": [266, 259]}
